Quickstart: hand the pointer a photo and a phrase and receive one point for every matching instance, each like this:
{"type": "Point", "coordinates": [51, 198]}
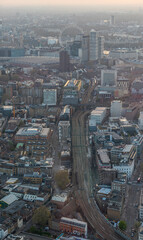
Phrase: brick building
{"type": "Point", "coordinates": [73, 226]}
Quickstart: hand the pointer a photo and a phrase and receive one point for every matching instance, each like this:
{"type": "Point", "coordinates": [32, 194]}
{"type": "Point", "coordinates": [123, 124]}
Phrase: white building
{"type": "Point", "coordinates": [50, 97]}
{"type": "Point", "coordinates": [116, 108]}
{"type": "Point", "coordinates": [108, 77]}
{"type": "Point", "coordinates": [3, 232]}
{"type": "Point", "coordinates": [140, 121]}
{"type": "Point", "coordinates": [93, 45]}
{"type": "Point", "coordinates": [140, 234]}
{"type": "Point", "coordinates": [123, 159]}
{"type": "Point", "coordinates": [32, 198]}
{"type": "Point", "coordinates": [64, 130]}
{"type": "Point", "coordinates": [127, 168]}
{"type": "Point", "coordinates": [97, 116]}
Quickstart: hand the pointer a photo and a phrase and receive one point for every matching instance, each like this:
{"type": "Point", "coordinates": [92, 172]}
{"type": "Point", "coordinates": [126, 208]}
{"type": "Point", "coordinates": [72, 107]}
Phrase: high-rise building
{"type": "Point", "coordinates": [74, 48]}
{"type": "Point", "coordinates": [108, 77]}
{"type": "Point", "coordinates": [0, 28]}
{"type": "Point", "coordinates": [112, 20]}
{"type": "Point", "coordinates": [93, 45]}
{"type": "Point", "coordinates": [64, 61]}
{"type": "Point", "coordinates": [100, 47]}
{"type": "Point", "coordinates": [85, 49]}
{"type": "Point", "coordinates": [116, 108]}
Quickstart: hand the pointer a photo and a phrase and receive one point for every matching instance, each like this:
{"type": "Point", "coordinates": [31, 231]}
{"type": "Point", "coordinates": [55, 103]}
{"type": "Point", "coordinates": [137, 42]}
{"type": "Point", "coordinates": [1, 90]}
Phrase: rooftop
{"type": "Point", "coordinates": [103, 156]}
{"type": "Point", "coordinates": [104, 191]}
{"type": "Point", "coordinates": [60, 198]}
{"type": "Point", "coordinates": [9, 199]}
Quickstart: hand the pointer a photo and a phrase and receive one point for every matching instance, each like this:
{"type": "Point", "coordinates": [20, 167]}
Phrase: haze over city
{"type": "Point", "coordinates": [71, 120]}
{"type": "Point", "coordinates": [69, 2]}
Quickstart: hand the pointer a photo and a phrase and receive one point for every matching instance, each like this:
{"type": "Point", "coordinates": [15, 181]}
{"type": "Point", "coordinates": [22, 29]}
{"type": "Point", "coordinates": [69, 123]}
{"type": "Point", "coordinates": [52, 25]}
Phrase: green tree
{"type": "Point", "coordinates": [122, 225]}
{"type": "Point", "coordinates": [41, 216]}
{"type": "Point", "coordinates": [62, 179]}
{"type": "Point", "coordinates": [137, 225]}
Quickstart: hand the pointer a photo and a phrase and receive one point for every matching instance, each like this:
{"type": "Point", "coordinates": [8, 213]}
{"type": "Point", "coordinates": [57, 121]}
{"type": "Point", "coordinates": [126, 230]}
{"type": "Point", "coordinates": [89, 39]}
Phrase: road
{"type": "Point", "coordinates": [34, 236]}
{"type": "Point", "coordinates": [132, 198]}
{"type": "Point", "coordinates": [130, 211]}
{"type": "Point", "coordinates": [83, 183]}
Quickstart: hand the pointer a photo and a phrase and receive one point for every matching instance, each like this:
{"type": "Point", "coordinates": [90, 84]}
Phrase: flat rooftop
{"type": "Point", "coordinates": [103, 156]}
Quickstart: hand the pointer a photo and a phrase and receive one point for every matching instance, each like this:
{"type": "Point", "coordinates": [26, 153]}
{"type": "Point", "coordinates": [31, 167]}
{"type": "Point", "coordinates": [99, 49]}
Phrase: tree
{"type": "Point", "coordinates": [137, 225]}
{"type": "Point", "coordinates": [122, 225]}
{"type": "Point", "coordinates": [41, 216]}
{"type": "Point", "coordinates": [62, 179]}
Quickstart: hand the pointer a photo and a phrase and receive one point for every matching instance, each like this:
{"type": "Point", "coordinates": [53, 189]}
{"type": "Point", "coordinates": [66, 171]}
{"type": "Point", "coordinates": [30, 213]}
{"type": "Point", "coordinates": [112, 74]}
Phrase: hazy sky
{"type": "Point", "coordinates": [70, 2]}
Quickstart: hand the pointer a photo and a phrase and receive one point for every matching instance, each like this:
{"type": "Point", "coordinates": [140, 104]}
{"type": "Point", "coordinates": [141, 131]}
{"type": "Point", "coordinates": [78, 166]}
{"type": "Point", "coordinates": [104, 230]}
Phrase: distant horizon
{"type": "Point", "coordinates": [109, 3]}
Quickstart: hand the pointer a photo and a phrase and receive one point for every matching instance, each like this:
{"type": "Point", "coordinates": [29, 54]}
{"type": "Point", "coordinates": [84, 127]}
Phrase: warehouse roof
{"type": "Point", "coordinates": [9, 199]}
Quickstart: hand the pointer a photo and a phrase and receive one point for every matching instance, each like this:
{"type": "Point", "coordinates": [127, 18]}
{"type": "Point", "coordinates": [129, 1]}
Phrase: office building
{"type": "Point", "coordinates": [64, 131]}
{"type": "Point", "coordinates": [74, 48]}
{"type": "Point", "coordinates": [119, 184]}
{"type": "Point", "coordinates": [138, 142]}
{"type": "Point", "coordinates": [64, 61]}
{"type": "Point", "coordinates": [103, 160]}
{"type": "Point", "coordinates": [97, 116]}
{"type": "Point", "coordinates": [112, 20]}
{"type": "Point", "coordinates": [93, 45]}
{"type": "Point", "coordinates": [108, 77]}
{"type": "Point", "coordinates": [73, 226]}
{"type": "Point", "coordinates": [12, 52]}
{"type": "Point", "coordinates": [116, 109]}
{"type": "Point", "coordinates": [71, 92]}
{"type": "Point", "coordinates": [0, 28]}
{"type": "Point", "coordinates": [100, 47]}
{"type": "Point", "coordinates": [50, 97]}
{"type": "Point", "coordinates": [123, 159]}
{"type": "Point", "coordinates": [34, 133]}
{"type": "Point", "coordinates": [85, 49]}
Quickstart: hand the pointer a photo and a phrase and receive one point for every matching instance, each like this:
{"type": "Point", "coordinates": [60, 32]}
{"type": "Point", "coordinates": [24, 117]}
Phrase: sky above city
{"type": "Point", "coordinates": [70, 2]}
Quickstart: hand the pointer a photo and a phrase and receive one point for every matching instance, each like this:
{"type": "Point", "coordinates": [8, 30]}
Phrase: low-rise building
{"type": "Point", "coordinates": [64, 131]}
{"type": "Point", "coordinates": [138, 142]}
{"type": "Point", "coordinates": [73, 226]}
{"type": "Point", "coordinates": [123, 160]}
{"type": "Point", "coordinates": [140, 234]}
{"type": "Point", "coordinates": [7, 200]}
{"type": "Point", "coordinates": [103, 160]}
{"type": "Point", "coordinates": [60, 200]}
{"type": "Point", "coordinates": [114, 208]}
{"type": "Point", "coordinates": [32, 133]}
